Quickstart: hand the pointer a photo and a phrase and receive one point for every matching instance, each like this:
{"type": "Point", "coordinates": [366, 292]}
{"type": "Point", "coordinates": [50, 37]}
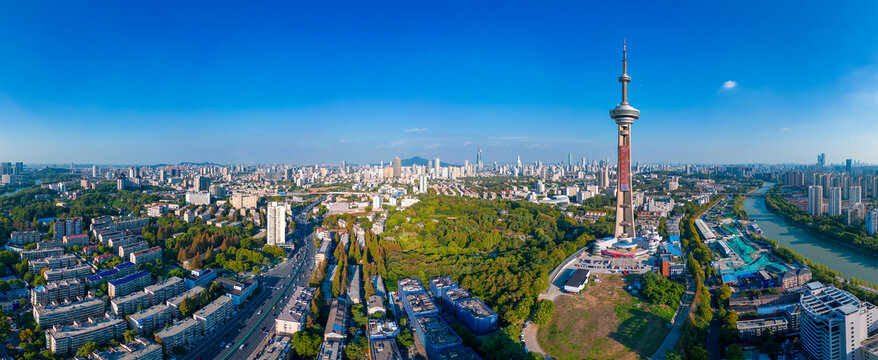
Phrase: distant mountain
{"type": "Point", "coordinates": [198, 164]}
{"type": "Point", "coordinates": [417, 160]}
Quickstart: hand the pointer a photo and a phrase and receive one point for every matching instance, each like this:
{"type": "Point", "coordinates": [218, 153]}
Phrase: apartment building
{"type": "Point", "coordinates": [57, 291]}
{"type": "Point", "coordinates": [52, 262]}
{"type": "Point", "coordinates": [129, 304]}
{"type": "Point", "coordinates": [161, 292]}
{"type": "Point", "coordinates": [151, 319]}
{"type": "Point", "coordinates": [175, 301]}
{"type": "Point", "coordinates": [294, 315]}
{"type": "Point", "coordinates": [73, 272]}
{"type": "Point", "coordinates": [63, 340]}
{"type": "Point", "coordinates": [145, 256]}
{"type": "Point", "coordinates": [66, 313]}
{"type": "Point", "coordinates": [129, 284]}
{"type": "Point", "coordinates": [137, 349]}
{"type": "Point", "coordinates": [214, 314]}
{"type": "Point", "coordinates": [180, 334]}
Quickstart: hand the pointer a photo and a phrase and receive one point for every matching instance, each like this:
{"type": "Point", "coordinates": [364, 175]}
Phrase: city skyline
{"type": "Point", "coordinates": [741, 85]}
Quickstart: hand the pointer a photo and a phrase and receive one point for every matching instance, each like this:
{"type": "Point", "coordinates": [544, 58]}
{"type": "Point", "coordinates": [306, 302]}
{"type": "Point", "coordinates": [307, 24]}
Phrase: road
{"type": "Point", "coordinates": [246, 329]}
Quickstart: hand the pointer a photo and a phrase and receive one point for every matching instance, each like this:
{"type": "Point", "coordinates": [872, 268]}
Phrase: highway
{"type": "Point", "coordinates": [245, 331]}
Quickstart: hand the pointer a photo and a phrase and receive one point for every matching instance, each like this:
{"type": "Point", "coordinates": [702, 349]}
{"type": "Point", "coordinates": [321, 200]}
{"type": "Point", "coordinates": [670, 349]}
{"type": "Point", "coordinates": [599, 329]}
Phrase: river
{"type": "Point", "coordinates": [848, 261]}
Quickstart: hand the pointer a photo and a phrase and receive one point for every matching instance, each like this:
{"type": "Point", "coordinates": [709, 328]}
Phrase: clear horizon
{"type": "Point", "coordinates": [121, 83]}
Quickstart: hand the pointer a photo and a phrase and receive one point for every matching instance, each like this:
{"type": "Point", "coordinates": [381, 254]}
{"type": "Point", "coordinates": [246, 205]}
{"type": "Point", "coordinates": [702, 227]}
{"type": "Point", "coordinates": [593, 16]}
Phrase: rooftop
{"type": "Point", "coordinates": [384, 350]}
{"type": "Point", "coordinates": [476, 307]}
{"type": "Point", "coordinates": [442, 282]}
{"type": "Point", "coordinates": [420, 302]}
{"type": "Point", "coordinates": [437, 332]}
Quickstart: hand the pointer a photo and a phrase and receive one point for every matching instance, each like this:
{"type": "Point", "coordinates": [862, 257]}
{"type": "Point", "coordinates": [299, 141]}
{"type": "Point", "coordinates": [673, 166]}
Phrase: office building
{"type": "Point", "coordinates": [198, 198]}
{"type": "Point", "coordinates": [200, 277]}
{"type": "Point", "coordinates": [161, 292]}
{"type": "Point", "coordinates": [381, 329]}
{"type": "Point", "coordinates": [201, 183]}
{"type": "Point", "coordinates": [477, 316]}
{"type": "Point", "coordinates": [419, 304]}
{"type": "Point", "coordinates": [294, 315]}
{"type": "Point", "coordinates": [458, 353]}
{"type": "Point", "coordinates": [451, 297]}
{"type": "Point", "coordinates": [62, 227]}
{"type": "Point", "coordinates": [815, 200]}
{"type": "Point", "coordinates": [277, 223]}
{"type": "Point", "coordinates": [214, 314]}
{"type": "Point", "coordinates": [178, 335]}
{"type": "Point", "coordinates": [217, 191]}
{"type": "Point", "coordinates": [834, 201]}
{"type": "Point", "coordinates": [63, 340]}
{"type": "Point", "coordinates": [435, 335]}
{"type": "Point", "coordinates": [397, 167]}
{"type": "Point", "coordinates": [834, 322]}
{"type": "Point", "coordinates": [129, 284]}
{"type": "Point", "coordinates": [48, 315]}
{"type": "Point", "coordinates": [439, 284]}
{"type": "Point", "coordinates": [238, 291]}
{"type": "Point", "coordinates": [147, 321]}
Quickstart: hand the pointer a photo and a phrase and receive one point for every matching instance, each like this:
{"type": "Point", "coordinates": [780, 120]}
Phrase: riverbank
{"type": "Point", "coordinates": [812, 232]}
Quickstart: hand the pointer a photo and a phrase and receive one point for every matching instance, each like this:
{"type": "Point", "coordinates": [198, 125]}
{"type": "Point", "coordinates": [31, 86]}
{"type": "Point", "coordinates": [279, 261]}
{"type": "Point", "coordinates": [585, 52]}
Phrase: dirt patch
{"type": "Point", "coordinates": [604, 322]}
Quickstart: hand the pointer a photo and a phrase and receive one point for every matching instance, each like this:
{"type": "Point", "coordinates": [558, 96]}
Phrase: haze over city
{"type": "Point", "coordinates": [122, 83]}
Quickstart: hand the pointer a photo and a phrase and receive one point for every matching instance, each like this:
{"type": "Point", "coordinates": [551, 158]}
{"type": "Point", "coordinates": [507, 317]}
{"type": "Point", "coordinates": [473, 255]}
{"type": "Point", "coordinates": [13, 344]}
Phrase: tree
{"type": "Point", "coordinates": [87, 349]}
{"type": "Point", "coordinates": [698, 353]}
{"type": "Point", "coordinates": [26, 335]}
{"type": "Point", "coordinates": [130, 335]}
{"type": "Point", "coordinates": [734, 352]}
{"type": "Point", "coordinates": [543, 313]}
{"type": "Point", "coordinates": [306, 343]}
{"type": "Point", "coordinates": [357, 350]}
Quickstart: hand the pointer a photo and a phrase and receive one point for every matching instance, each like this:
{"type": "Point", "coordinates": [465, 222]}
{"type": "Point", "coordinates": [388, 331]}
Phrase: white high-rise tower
{"type": "Point", "coordinates": [277, 223]}
{"type": "Point", "coordinates": [624, 114]}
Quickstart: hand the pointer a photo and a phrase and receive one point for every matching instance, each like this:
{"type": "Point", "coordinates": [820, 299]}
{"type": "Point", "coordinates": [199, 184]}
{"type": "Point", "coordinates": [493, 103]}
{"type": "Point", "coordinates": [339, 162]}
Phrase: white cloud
{"type": "Point", "coordinates": [416, 130]}
{"type": "Point", "coordinates": [392, 145]}
{"type": "Point", "coordinates": [786, 129]}
{"type": "Point", "coordinates": [728, 85]}
{"type": "Point", "coordinates": [343, 141]}
{"type": "Point", "coordinates": [431, 146]}
{"type": "Point", "coordinates": [467, 143]}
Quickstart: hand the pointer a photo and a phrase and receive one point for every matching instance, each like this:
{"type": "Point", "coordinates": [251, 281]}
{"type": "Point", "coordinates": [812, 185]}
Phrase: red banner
{"type": "Point", "coordinates": [624, 168]}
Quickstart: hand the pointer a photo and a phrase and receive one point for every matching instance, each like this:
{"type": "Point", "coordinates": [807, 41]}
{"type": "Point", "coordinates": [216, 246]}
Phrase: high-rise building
{"type": "Point", "coordinates": [201, 183]}
{"type": "Point", "coordinates": [64, 227]}
{"type": "Point", "coordinates": [436, 163]}
{"type": "Point", "coordinates": [624, 115]}
{"type": "Point", "coordinates": [834, 322]}
{"type": "Point", "coordinates": [848, 165]}
{"type": "Point", "coordinates": [872, 222]}
{"type": "Point", "coordinates": [397, 167]}
{"type": "Point", "coordinates": [855, 194]}
{"type": "Point", "coordinates": [277, 223]}
{"type": "Point", "coordinates": [422, 184]}
{"type": "Point", "coordinates": [821, 161]}
{"type": "Point", "coordinates": [479, 159]}
{"type": "Point", "coordinates": [834, 201]}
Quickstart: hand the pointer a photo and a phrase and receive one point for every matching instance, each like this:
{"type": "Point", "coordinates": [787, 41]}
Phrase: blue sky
{"type": "Point", "coordinates": [301, 82]}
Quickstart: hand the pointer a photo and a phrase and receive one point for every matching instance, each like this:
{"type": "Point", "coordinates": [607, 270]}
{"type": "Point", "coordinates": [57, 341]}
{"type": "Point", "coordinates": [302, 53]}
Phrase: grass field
{"type": "Point", "coordinates": [603, 322]}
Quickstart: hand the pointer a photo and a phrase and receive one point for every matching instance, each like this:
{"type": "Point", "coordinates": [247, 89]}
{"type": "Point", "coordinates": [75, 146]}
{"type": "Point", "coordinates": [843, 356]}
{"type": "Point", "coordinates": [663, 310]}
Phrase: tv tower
{"type": "Point", "coordinates": [624, 115]}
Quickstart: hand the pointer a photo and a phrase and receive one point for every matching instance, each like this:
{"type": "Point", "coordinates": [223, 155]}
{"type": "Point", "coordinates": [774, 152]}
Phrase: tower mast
{"type": "Point", "coordinates": [624, 115]}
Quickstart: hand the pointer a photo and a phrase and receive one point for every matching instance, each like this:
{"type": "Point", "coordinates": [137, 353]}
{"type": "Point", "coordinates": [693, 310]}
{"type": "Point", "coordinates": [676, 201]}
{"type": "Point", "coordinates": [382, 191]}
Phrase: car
{"type": "Point", "coordinates": [259, 312]}
{"type": "Point", "coordinates": [242, 346]}
{"type": "Point", "coordinates": [228, 345]}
